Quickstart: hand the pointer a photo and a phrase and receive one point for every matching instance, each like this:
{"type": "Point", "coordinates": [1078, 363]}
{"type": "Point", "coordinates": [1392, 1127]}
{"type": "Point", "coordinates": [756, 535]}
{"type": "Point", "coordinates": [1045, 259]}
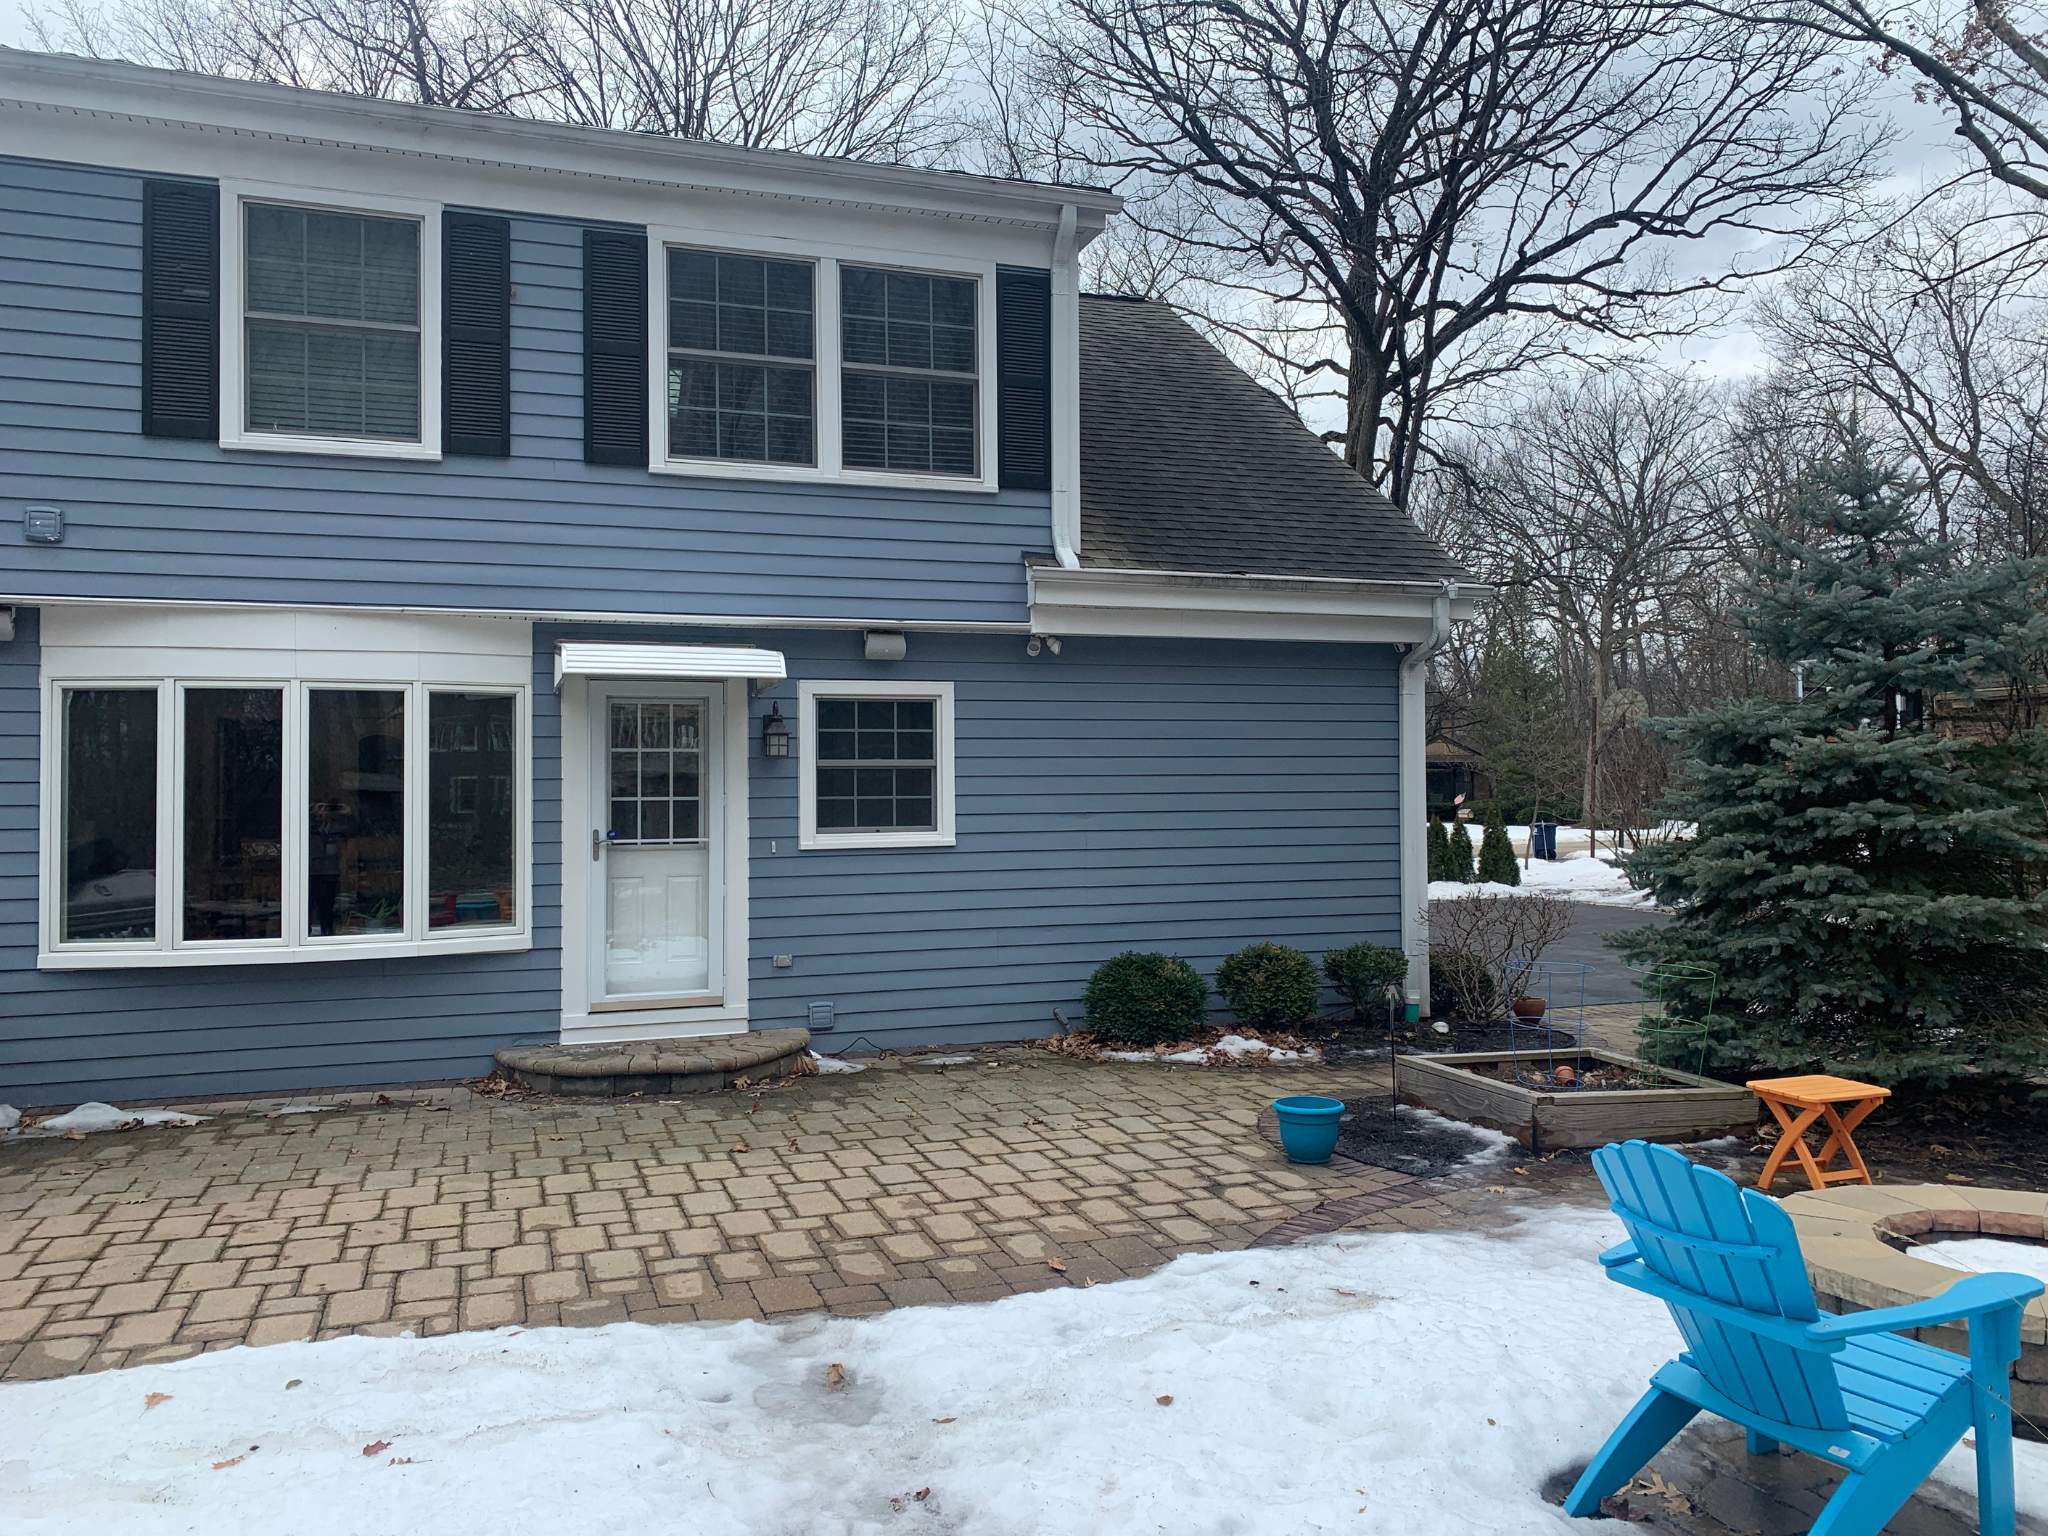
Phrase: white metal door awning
{"type": "Point", "coordinates": [597, 658]}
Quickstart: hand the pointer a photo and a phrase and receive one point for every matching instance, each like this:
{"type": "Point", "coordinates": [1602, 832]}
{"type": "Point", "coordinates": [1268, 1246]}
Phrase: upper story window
{"type": "Point", "coordinates": [741, 342]}
{"type": "Point", "coordinates": [330, 320]}
{"type": "Point", "coordinates": [908, 344]}
{"type": "Point", "coordinates": [815, 366]}
{"type": "Point", "coordinates": [332, 305]}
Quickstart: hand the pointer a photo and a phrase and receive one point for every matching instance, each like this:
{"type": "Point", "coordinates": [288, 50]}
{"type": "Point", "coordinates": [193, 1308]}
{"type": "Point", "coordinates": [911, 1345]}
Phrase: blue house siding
{"type": "Point", "coordinates": [1182, 795]}
{"type": "Point", "coordinates": [179, 1033]}
{"type": "Point", "coordinates": [542, 530]}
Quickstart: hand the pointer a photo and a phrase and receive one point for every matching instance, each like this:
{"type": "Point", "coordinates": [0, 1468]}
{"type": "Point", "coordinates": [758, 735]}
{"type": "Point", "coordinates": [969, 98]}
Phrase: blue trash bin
{"type": "Point", "coordinates": [1544, 835]}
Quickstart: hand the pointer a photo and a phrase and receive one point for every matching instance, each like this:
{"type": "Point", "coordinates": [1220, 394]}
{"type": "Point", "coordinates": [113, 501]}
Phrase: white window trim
{"type": "Point", "coordinates": [826, 259]}
{"type": "Point", "coordinates": [944, 795]}
{"type": "Point", "coordinates": [295, 944]}
{"type": "Point", "coordinates": [234, 429]}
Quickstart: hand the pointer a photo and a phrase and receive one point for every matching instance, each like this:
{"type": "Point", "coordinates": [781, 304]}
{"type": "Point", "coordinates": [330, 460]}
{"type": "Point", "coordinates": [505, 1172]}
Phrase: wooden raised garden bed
{"type": "Point", "coordinates": [1518, 1094]}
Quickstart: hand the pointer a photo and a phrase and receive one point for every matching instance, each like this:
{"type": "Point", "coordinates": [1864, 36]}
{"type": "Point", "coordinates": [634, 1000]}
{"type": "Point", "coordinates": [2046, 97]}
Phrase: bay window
{"type": "Point", "coordinates": [201, 819]}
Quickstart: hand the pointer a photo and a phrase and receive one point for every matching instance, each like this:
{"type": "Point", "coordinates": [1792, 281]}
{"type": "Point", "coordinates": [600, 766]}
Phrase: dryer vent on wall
{"type": "Point", "coordinates": [821, 1019]}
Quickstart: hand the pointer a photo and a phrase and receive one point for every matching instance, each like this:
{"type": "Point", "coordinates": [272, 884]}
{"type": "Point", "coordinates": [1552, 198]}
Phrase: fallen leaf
{"type": "Point", "coordinates": [376, 1447]}
{"type": "Point", "coordinates": [949, 1419]}
{"type": "Point", "coordinates": [1058, 1266]}
{"type": "Point", "coordinates": [739, 1147]}
{"type": "Point", "coordinates": [1164, 1400]}
{"type": "Point", "coordinates": [294, 1382]}
{"type": "Point", "coordinates": [1491, 1424]}
{"type": "Point", "coordinates": [835, 1376]}
{"type": "Point", "coordinates": [153, 1399]}
{"type": "Point", "coordinates": [1342, 1292]}
{"type": "Point", "coordinates": [399, 1461]}
{"type": "Point", "coordinates": [1520, 1173]}
{"type": "Point", "coordinates": [922, 1494]}
{"type": "Point", "coordinates": [222, 1466]}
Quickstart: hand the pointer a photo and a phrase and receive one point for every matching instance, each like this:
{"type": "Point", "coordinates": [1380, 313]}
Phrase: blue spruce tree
{"type": "Point", "coordinates": [1867, 891]}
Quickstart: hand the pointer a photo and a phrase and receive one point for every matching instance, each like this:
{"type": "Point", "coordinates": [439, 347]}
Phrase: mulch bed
{"type": "Point", "coordinates": [1994, 1134]}
{"type": "Point", "coordinates": [1404, 1142]}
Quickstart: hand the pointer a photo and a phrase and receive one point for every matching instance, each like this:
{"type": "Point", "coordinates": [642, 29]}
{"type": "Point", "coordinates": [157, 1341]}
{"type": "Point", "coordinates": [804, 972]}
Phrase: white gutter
{"type": "Point", "coordinates": [1066, 390]}
{"type": "Point", "coordinates": [1414, 790]}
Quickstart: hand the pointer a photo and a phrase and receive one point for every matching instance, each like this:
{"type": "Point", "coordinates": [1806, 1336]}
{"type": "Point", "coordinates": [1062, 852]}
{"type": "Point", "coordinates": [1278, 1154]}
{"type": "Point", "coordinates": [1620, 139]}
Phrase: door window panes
{"type": "Point", "coordinates": [655, 767]}
{"type": "Point", "coordinates": [877, 765]}
{"type": "Point", "coordinates": [472, 854]}
{"type": "Point", "coordinates": [233, 802]}
{"type": "Point", "coordinates": [355, 834]}
{"type": "Point", "coordinates": [333, 323]}
{"type": "Point", "coordinates": [109, 815]}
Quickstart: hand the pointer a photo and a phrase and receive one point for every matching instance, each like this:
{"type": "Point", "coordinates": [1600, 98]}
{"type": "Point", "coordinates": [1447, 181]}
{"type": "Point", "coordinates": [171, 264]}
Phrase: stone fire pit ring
{"type": "Point", "coordinates": [1847, 1234]}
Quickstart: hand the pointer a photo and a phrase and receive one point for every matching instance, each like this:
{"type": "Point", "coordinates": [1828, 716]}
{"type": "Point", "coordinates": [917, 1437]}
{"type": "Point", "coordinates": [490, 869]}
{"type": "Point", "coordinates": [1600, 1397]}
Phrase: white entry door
{"type": "Point", "coordinates": [656, 846]}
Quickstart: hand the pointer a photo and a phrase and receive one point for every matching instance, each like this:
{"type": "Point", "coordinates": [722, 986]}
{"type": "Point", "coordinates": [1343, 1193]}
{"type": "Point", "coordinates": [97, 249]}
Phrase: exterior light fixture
{"type": "Point", "coordinates": [775, 734]}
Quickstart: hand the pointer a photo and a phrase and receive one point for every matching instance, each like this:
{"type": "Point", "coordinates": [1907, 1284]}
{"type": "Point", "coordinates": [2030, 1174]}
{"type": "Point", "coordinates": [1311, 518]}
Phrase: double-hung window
{"type": "Point", "coordinates": [199, 818]}
{"type": "Point", "coordinates": [329, 334]}
{"type": "Point", "coordinates": [879, 765]}
{"type": "Point", "coordinates": [817, 366]}
{"type": "Point", "coordinates": [741, 337]}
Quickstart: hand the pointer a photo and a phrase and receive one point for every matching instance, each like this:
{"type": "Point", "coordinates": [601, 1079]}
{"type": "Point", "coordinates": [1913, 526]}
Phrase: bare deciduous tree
{"type": "Point", "coordinates": [860, 78]}
{"type": "Point", "coordinates": [1423, 198]}
{"type": "Point", "coordinates": [1984, 61]}
{"type": "Point", "coordinates": [1604, 498]}
{"type": "Point", "coordinates": [1934, 334]}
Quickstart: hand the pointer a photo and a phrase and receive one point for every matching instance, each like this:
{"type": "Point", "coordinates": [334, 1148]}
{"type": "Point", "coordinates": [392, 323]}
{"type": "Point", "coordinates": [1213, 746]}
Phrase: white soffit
{"type": "Point", "coordinates": [599, 658]}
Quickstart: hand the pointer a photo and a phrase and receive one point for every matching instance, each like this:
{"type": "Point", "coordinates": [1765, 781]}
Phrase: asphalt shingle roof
{"type": "Point", "coordinates": [1187, 464]}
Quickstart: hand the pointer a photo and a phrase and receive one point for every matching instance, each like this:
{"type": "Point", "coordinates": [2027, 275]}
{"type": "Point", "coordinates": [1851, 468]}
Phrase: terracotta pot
{"type": "Point", "coordinates": [1531, 1009]}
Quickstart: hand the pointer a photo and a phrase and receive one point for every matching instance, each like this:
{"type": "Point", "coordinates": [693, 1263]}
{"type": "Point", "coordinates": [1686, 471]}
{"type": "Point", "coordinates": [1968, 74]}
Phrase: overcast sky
{"type": "Point", "coordinates": [13, 28]}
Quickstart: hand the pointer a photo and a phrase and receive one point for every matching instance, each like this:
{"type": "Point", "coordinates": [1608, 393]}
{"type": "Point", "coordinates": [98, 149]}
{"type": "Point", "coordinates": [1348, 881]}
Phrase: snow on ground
{"type": "Point", "coordinates": [1575, 875]}
{"type": "Point", "coordinates": [1984, 1255]}
{"type": "Point", "coordinates": [1362, 1383]}
{"type": "Point", "coordinates": [827, 1065]}
{"type": "Point", "coordinates": [1226, 1045]}
{"type": "Point", "coordinates": [1494, 1146]}
{"type": "Point", "coordinates": [88, 1118]}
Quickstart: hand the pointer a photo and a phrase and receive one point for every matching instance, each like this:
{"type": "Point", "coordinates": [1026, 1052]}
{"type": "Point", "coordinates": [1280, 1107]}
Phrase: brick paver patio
{"type": "Point", "coordinates": [444, 1210]}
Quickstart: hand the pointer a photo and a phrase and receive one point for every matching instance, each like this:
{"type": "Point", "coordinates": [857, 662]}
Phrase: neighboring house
{"type": "Point", "coordinates": [1457, 775]}
{"type": "Point", "coordinates": [470, 581]}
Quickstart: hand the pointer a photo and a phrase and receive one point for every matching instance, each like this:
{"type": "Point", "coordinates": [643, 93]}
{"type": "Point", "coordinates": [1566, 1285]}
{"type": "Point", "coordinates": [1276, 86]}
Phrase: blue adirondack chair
{"type": "Point", "coordinates": [1854, 1391]}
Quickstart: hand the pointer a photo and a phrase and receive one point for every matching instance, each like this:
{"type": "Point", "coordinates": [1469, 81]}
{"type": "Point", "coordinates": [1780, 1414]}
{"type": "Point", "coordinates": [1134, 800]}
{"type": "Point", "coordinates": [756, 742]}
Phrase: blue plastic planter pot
{"type": "Point", "coordinates": [1308, 1127]}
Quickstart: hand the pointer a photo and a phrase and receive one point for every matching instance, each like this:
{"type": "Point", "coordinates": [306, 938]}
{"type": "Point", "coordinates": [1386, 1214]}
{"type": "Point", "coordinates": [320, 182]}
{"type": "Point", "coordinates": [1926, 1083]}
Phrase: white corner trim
{"type": "Point", "coordinates": [1096, 601]}
{"type": "Point", "coordinates": [234, 398]}
{"type": "Point", "coordinates": [826, 364]}
{"type": "Point", "coordinates": [809, 691]}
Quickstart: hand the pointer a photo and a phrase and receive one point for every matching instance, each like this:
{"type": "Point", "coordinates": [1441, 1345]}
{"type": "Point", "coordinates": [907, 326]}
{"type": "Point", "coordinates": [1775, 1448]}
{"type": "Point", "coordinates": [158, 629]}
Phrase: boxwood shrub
{"type": "Point", "coordinates": [1269, 986]}
{"type": "Point", "coordinates": [1142, 997]}
{"type": "Point", "coordinates": [1362, 973]}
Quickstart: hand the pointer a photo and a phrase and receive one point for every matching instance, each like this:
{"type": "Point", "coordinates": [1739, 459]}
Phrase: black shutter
{"type": "Point", "coordinates": [180, 309]}
{"type": "Point", "coordinates": [476, 335]}
{"type": "Point", "coordinates": [1024, 378]}
{"type": "Point", "coordinates": [614, 347]}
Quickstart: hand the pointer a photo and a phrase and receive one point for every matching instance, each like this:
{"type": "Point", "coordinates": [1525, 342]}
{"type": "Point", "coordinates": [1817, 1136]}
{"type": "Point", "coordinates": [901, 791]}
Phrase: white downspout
{"type": "Point", "coordinates": [1414, 790]}
{"type": "Point", "coordinates": [1066, 391]}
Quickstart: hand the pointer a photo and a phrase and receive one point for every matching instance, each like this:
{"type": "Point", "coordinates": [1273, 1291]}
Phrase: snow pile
{"type": "Point", "coordinates": [10, 1117]}
{"type": "Point", "coordinates": [1232, 1047]}
{"type": "Point", "coordinates": [1986, 1255]}
{"type": "Point", "coordinates": [1273, 1391]}
{"type": "Point", "coordinates": [1494, 1146]}
{"type": "Point", "coordinates": [88, 1118]}
{"type": "Point", "coordinates": [827, 1065]}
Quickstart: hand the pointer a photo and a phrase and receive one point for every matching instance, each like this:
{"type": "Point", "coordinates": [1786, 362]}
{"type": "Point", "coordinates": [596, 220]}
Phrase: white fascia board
{"type": "Point", "coordinates": [1195, 605]}
{"type": "Point", "coordinates": [57, 87]}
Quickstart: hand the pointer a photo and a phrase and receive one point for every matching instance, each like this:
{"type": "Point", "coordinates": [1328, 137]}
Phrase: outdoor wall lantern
{"type": "Point", "coordinates": [775, 734]}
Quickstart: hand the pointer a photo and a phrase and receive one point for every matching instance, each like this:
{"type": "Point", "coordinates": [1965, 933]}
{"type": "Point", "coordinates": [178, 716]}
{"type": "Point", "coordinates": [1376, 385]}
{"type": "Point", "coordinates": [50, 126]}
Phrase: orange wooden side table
{"type": "Point", "coordinates": [1798, 1102]}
